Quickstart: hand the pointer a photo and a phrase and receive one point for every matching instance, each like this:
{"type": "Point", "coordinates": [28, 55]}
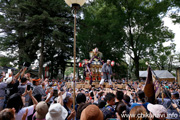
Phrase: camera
{"type": "Point", "coordinates": [61, 89]}
{"type": "Point", "coordinates": [28, 87]}
{"type": "Point", "coordinates": [26, 64]}
{"type": "Point", "coordinates": [55, 92]}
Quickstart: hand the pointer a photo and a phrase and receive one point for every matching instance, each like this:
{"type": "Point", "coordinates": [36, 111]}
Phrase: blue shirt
{"type": "Point", "coordinates": [138, 104]}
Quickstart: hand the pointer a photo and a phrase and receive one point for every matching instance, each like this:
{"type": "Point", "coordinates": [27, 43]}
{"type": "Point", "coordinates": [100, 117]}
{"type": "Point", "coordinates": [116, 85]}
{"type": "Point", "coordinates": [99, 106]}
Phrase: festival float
{"type": "Point", "coordinates": [92, 67]}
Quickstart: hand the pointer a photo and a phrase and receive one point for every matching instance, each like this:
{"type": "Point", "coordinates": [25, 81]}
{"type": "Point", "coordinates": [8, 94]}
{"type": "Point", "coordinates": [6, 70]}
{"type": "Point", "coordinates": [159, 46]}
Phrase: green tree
{"type": "Point", "coordinates": [31, 26]}
{"type": "Point", "coordinates": [144, 28]}
{"type": "Point", "coordinates": [5, 61]}
{"type": "Point", "coordinates": [15, 38]}
{"type": "Point", "coordinates": [125, 27]}
{"type": "Point", "coordinates": [177, 57]}
{"type": "Point", "coordinates": [99, 28]}
{"type": "Point", "coordinates": [175, 12]}
{"type": "Point", "coordinates": [163, 57]}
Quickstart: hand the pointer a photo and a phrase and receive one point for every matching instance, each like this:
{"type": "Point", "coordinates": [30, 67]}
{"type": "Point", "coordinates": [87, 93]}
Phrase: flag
{"type": "Point", "coordinates": [149, 87]}
{"type": "Point", "coordinates": [157, 87]}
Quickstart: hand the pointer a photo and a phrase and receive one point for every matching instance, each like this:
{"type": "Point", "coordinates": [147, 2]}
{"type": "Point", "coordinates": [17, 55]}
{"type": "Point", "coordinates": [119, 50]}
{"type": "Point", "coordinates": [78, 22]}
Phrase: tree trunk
{"type": "Point", "coordinates": [20, 62]}
{"type": "Point", "coordinates": [63, 71]}
{"type": "Point", "coordinates": [41, 61]}
{"type": "Point", "coordinates": [136, 62]}
{"type": "Point", "coordinates": [21, 42]}
{"type": "Point", "coordinates": [21, 50]}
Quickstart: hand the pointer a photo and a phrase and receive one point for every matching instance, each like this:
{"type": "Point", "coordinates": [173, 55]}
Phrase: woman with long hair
{"type": "Point", "coordinates": [15, 101]}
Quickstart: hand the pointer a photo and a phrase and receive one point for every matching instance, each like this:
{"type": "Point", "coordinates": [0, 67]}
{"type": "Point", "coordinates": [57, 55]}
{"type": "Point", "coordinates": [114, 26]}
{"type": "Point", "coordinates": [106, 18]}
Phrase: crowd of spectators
{"type": "Point", "coordinates": [26, 98]}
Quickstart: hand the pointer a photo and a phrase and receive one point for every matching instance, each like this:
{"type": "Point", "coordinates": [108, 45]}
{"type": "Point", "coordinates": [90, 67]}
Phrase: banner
{"type": "Point", "coordinates": [149, 87]}
{"type": "Point", "coordinates": [157, 87]}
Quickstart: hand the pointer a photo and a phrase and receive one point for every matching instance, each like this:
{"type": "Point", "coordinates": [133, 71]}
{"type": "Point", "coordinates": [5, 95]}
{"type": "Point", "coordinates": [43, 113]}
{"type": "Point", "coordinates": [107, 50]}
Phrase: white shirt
{"type": "Point", "coordinates": [21, 112]}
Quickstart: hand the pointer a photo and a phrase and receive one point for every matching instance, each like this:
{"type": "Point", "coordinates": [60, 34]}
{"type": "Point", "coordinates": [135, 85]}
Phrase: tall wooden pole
{"type": "Point", "coordinates": [74, 72]}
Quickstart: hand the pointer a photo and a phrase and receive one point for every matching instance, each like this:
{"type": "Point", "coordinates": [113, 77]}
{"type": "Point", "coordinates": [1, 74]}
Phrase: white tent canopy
{"type": "Point", "coordinates": [159, 73]}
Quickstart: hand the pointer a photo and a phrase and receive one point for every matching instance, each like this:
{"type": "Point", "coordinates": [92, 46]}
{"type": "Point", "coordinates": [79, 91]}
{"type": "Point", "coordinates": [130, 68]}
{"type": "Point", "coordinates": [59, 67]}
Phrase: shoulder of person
{"type": "Point", "coordinates": [104, 64]}
{"type": "Point", "coordinates": [133, 105]}
{"type": "Point", "coordinates": [146, 103]}
{"type": "Point", "coordinates": [3, 84]}
{"type": "Point", "coordinates": [30, 109]}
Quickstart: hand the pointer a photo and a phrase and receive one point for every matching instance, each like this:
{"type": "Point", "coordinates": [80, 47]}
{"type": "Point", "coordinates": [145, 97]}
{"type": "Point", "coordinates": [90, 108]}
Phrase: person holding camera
{"type": "Point", "coordinates": [15, 101]}
{"type": "Point", "coordinates": [23, 88]}
{"type": "Point", "coordinates": [12, 83]}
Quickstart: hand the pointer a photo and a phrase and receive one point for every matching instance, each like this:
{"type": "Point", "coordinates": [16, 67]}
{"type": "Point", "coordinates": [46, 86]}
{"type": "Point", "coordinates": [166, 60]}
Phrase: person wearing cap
{"type": "Point", "coordinates": [41, 111]}
{"type": "Point", "coordinates": [56, 112]}
{"type": "Point", "coordinates": [37, 89]}
{"type": "Point", "coordinates": [157, 112]}
{"type": "Point", "coordinates": [106, 73]}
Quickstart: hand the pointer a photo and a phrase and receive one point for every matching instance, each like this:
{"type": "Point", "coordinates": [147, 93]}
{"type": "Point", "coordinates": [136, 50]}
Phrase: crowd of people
{"type": "Point", "coordinates": [26, 98]}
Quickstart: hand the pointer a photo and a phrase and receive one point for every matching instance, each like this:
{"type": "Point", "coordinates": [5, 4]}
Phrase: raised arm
{"type": "Point", "coordinates": [48, 99]}
{"type": "Point", "coordinates": [22, 73]}
{"type": "Point", "coordinates": [17, 75]}
{"type": "Point", "coordinates": [35, 102]}
{"type": "Point", "coordinates": [60, 98]}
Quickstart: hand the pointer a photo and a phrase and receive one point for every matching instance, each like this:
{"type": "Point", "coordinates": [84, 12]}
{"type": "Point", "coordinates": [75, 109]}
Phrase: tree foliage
{"type": "Point", "coordinates": [163, 57]}
{"type": "Point", "coordinates": [124, 27]}
{"type": "Point", "coordinates": [117, 27]}
{"type": "Point", "coordinates": [175, 13]}
{"type": "Point", "coordinates": [99, 28]}
{"type": "Point", "coordinates": [32, 26]}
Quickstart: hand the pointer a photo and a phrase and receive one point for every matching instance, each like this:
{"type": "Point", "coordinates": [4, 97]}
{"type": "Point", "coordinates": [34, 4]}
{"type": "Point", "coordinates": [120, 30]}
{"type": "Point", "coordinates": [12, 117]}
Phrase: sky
{"type": "Point", "coordinates": [176, 30]}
